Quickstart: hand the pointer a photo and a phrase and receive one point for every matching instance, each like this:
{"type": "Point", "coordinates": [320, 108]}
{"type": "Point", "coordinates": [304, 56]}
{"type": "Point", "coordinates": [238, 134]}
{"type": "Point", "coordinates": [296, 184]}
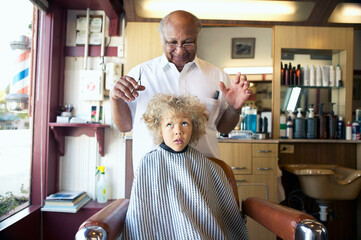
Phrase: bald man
{"type": "Point", "coordinates": [178, 71]}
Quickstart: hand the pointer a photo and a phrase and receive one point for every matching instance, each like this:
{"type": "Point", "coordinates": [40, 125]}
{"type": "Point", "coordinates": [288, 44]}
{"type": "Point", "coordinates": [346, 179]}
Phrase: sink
{"type": "Point", "coordinates": [327, 182]}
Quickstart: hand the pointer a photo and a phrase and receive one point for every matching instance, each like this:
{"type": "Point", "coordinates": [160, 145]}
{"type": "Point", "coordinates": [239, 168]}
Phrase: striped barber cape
{"type": "Point", "coordinates": [182, 195]}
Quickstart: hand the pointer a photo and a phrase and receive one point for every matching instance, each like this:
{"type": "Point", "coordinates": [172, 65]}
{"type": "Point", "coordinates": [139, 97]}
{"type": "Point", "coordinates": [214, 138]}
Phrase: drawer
{"type": "Point", "coordinates": [264, 165]}
{"type": "Point", "coordinates": [263, 186]}
{"type": "Point", "coordinates": [264, 150]}
{"type": "Point", "coordinates": [237, 156]}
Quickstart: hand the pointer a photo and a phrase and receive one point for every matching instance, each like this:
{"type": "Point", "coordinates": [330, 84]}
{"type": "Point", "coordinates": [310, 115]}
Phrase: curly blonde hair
{"type": "Point", "coordinates": [188, 106]}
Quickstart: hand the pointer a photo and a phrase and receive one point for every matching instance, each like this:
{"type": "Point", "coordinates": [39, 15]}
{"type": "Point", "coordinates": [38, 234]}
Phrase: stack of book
{"type": "Point", "coordinates": [65, 202]}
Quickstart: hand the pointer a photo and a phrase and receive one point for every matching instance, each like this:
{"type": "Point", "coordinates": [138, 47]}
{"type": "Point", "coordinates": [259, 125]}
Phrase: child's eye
{"type": "Point", "coordinates": [169, 125]}
{"type": "Point", "coordinates": [185, 123]}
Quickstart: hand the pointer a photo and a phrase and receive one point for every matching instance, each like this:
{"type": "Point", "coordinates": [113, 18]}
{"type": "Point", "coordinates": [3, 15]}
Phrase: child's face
{"type": "Point", "coordinates": [176, 131]}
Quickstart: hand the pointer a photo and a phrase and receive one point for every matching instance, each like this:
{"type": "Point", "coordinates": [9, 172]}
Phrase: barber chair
{"type": "Point", "coordinates": [285, 222]}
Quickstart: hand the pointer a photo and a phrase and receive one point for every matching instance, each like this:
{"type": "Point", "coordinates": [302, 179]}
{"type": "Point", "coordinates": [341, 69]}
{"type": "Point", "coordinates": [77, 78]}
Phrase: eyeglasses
{"type": "Point", "coordinates": [185, 46]}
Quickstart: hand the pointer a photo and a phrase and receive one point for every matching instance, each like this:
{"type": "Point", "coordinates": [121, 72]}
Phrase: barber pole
{"type": "Point", "coordinates": [17, 100]}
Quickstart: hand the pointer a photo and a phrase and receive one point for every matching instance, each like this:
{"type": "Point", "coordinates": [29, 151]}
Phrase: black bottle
{"type": "Point", "coordinates": [332, 124]}
{"type": "Point", "coordinates": [340, 128]}
{"type": "Point", "coordinates": [311, 125]}
{"type": "Point", "coordinates": [321, 123]}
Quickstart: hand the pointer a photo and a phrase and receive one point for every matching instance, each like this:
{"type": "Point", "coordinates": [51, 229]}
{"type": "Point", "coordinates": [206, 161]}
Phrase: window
{"type": "Point", "coordinates": [16, 131]}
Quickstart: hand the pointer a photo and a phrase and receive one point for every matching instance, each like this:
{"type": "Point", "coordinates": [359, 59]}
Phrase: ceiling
{"type": "Point", "coordinates": [318, 16]}
{"type": "Point", "coordinates": [308, 12]}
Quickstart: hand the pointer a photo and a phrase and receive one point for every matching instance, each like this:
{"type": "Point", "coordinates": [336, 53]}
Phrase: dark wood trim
{"type": "Point", "coordinates": [94, 51]}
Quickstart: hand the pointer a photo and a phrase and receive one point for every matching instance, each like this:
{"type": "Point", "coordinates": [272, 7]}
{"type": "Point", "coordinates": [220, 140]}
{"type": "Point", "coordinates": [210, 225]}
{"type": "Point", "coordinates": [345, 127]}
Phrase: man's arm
{"type": "Point", "coordinates": [125, 89]}
{"type": "Point", "coordinates": [121, 115]}
{"type": "Point", "coordinates": [236, 96]}
{"type": "Point", "coordinates": [228, 121]}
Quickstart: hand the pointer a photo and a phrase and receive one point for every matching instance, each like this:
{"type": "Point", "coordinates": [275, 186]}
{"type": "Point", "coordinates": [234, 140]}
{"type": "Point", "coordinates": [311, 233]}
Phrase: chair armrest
{"type": "Point", "coordinates": [281, 220]}
{"type": "Point", "coordinates": [110, 220]}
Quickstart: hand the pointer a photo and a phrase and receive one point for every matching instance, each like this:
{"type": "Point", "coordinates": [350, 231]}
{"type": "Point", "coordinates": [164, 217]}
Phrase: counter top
{"type": "Point", "coordinates": [230, 140]}
{"type": "Point", "coordinates": [225, 140]}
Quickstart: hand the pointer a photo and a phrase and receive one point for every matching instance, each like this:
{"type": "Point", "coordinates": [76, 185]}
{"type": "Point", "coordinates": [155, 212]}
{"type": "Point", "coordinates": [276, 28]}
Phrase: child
{"type": "Point", "coordinates": [177, 192]}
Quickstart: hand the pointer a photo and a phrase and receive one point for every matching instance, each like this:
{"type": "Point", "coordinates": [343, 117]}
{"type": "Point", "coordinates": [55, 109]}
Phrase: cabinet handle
{"type": "Point", "coordinates": [264, 151]}
{"type": "Point", "coordinates": [264, 169]}
{"type": "Point", "coordinates": [239, 168]}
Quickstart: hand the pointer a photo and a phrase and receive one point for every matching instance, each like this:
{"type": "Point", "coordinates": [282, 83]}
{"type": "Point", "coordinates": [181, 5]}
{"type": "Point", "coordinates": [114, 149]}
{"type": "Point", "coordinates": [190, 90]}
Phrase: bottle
{"type": "Point", "coordinates": [298, 75]}
{"type": "Point", "coordinates": [289, 128]}
{"type": "Point", "coordinates": [311, 124]}
{"type": "Point", "coordinates": [340, 128]}
{"type": "Point", "coordinates": [318, 76]}
{"type": "Point", "coordinates": [306, 76]}
{"type": "Point", "coordinates": [338, 76]}
{"type": "Point", "coordinates": [251, 118]}
{"type": "Point", "coordinates": [283, 125]}
{"type": "Point", "coordinates": [355, 131]}
{"type": "Point", "coordinates": [321, 123]}
{"type": "Point", "coordinates": [282, 75]}
{"type": "Point", "coordinates": [102, 186]}
{"type": "Point", "coordinates": [290, 69]}
{"type": "Point", "coordinates": [294, 78]}
{"type": "Point", "coordinates": [348, 131]}
{"type": "Point", "coordinates": [312, 76]}
{"type": "Point", "coordinates": [299, 132]}
{"type": "Point", "coordinates": [332, 77]}
{"type": "Point", "coordinates": [332, 124]}
{"type": "Point", "coordinates": [287, 76]}
{"type": "Point", "coordinates": [291, 115]}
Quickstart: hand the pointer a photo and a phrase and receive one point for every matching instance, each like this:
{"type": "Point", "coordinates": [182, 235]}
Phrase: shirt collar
{"type": "Point", "coordinates": [165, 147]}
{"type": "Point", "coordinates": [164, 61]}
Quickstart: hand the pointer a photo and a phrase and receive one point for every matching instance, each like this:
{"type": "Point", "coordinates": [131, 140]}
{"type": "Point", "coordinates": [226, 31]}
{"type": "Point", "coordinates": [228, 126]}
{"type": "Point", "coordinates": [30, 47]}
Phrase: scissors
{"type": "Point", "coordinates": [139, 80]}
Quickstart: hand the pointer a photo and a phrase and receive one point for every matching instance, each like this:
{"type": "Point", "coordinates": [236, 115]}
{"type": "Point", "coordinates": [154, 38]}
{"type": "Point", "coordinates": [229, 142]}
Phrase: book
{"type": "Point", "coordinates": [68, 209]}
{"type": "Point", "coordinates": [65, 196]}
{"type": "Point", "coordinates": [67, 201]}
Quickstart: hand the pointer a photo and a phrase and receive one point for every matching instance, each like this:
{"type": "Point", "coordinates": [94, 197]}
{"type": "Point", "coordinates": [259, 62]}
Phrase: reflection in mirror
{"type": "Point", "coordinates": [293, 98]}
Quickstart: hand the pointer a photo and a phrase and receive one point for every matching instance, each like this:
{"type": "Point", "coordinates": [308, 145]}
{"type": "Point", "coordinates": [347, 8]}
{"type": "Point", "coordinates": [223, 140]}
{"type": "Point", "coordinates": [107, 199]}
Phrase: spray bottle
{"type": "Point", "coordinates": [300, 125]}
{"type": "Point", "coordinates": [102, 186]}
{"type": "Point", "coordinates": [311, 124]}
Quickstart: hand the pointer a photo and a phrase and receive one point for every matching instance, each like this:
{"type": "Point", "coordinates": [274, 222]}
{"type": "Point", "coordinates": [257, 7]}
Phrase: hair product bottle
{"type": "Point", "coordinates": [283, 125]}
{"type": "Point", "coordinates": [287, 75]}
{"type": "Point", "coordinates": [311, 124]}
{"type": "Point", "coordinates": [338, 76]}
{"type": "Point", "coordinates": [318, 76]}
{"type": "Point", "coordinates": [348, 131]}
{"type": "Point", "coordinates": [332, 124]}
{"type": "Point", "coordinates": [332, 77]}
{"type": "Point", "coordinates": [282, 75]}
{"type": "Point", "coordinates": [290, 69]}
{"type": "Point", "coordinates": [340, 128]}
{"type": "Point", "coordinates": [289, 128]}
{"type": "Point", "coordinates": [299, 125]}
{"type": "Point", "coordinates": [312, 76]}
{"type": "Point", "coordinates": [321, 123]}
{"type": "Point", "coordinates": [306, 76]}
{"type": "Point", "coordinates": [298, 75]}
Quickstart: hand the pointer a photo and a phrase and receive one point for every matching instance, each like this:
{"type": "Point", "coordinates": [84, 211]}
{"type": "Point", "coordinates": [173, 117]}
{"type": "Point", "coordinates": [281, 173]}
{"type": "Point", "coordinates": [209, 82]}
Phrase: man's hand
{"type": "Point", "coordinates": [125, 88]}
{"type": "Point", "coordinates": [237, 94]}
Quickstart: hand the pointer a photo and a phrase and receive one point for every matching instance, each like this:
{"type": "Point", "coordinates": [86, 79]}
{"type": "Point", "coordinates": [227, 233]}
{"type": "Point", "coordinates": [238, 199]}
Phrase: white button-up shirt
{"type": "Point", "coordinates": [197, 78]}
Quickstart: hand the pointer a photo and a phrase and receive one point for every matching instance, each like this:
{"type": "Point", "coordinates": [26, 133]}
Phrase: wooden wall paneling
{"type": "Point", "coordinates": [142, 43]}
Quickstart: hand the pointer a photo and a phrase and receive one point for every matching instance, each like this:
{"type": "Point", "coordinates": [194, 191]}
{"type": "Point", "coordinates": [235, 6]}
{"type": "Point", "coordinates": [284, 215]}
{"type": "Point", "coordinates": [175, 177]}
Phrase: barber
{"type": "Point", "coordinates": [178, 71]}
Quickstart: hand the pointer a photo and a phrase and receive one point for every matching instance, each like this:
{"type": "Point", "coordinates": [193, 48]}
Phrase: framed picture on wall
{"type": "Point", "coordinates": [243, 47]}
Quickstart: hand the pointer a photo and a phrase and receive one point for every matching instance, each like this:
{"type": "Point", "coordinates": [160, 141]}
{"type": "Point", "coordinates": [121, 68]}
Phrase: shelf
{"type": "Point", "coordinates": [315, 87]}
{"type": "Point", "coordinates": [61, 130]}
